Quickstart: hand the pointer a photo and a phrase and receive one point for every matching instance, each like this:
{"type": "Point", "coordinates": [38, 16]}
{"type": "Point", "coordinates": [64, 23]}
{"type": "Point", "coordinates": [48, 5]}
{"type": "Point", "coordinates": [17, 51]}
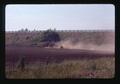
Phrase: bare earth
{"type": "Point", "coordinates": [63, 63]}
{"type": "Point", "coordinates": [33, 54]}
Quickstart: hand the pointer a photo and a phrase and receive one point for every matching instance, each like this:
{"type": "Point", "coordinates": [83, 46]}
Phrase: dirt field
{"type": "Point", "coordinates": [36, 54]}
{"type": "Point", "coordinates": [62, 63]}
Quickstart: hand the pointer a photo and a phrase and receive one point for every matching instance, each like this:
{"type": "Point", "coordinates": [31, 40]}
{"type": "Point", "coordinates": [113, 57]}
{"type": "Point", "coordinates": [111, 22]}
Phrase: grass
{"type": "Point", "coordinates": [97, 68]}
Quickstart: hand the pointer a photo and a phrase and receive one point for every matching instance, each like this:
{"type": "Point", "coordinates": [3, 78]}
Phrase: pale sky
{"type": "Point", "coordinates": [60, 16]}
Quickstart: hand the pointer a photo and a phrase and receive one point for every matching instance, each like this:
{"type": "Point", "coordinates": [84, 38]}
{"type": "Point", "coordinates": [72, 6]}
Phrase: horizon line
{"type": "Point", "coordinates": [56, 30]}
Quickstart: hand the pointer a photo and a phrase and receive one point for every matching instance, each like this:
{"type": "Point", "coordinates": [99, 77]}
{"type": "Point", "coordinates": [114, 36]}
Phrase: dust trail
{"type": "Point", "coordinates": [107, 46]}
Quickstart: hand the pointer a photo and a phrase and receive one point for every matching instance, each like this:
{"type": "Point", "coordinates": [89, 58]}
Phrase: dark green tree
{"type": "Point", "coordinates": [50, 36]}
{"type": "Point", "coordinates": [47, 38]}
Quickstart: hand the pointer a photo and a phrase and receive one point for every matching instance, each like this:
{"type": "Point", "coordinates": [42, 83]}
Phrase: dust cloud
{"type": "Point", "coordinates": [107, 46]}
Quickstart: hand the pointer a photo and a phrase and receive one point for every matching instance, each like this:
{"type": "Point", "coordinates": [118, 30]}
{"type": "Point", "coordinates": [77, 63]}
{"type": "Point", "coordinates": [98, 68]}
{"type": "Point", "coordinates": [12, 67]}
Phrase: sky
{"type": "Point", "coordinates": [60, 17]}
